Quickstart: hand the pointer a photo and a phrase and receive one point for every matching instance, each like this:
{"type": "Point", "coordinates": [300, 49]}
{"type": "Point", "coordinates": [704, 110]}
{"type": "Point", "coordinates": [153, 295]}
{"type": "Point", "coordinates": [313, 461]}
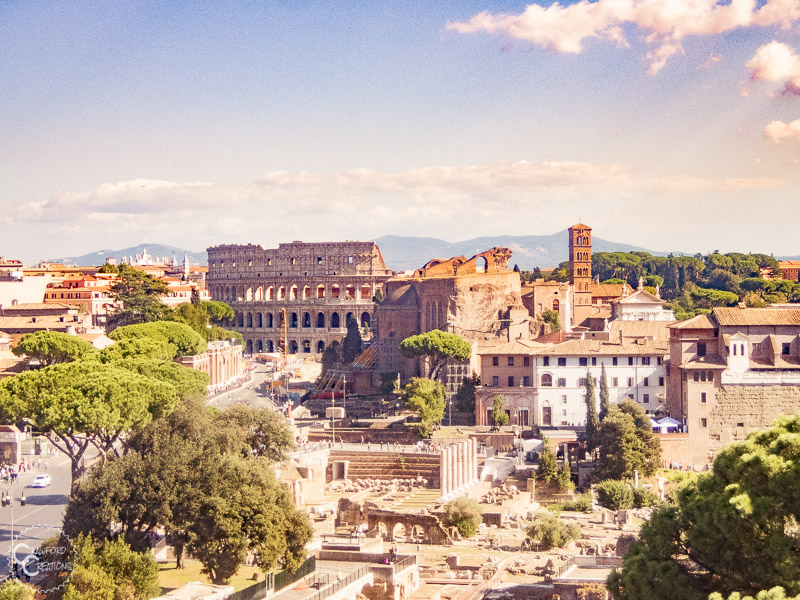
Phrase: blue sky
{"type": "Point", "coordinates": [669, 124]}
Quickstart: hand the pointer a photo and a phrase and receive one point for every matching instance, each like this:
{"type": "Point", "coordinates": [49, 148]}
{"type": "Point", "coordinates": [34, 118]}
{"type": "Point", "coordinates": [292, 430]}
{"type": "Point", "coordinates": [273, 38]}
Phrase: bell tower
{"type": "Point", "coordinates": [580, 256]}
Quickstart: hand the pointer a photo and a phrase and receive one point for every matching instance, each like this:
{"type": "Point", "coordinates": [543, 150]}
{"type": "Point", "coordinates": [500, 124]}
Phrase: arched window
{"type": "Point", "coordinates": [248, 295]}
{"type": "Point", "coordinates": [281, 293]}
{"type": "Point", "coordinates": [306, 320]}
{"type": "Point", "coordinates": [260, 346]}
{"type": "Point", "coordinates": [259, 320]}
{"type": "Point", "coordinates": [335, 321]}
{"type": "Point", "coordinates": [259, 294]}
{"type": "Point", "coordinates": [440, 320]}
{"type": "Point", "coordinates": [306, 347]}
{"type": "Point", "coordinates": [249, 319]}
{"type": "Point", "coordinates": [335, 291]}
{"type": "Point", "coordinates": [240, 320]}
{"type": "Point", "coordinates": [293, 293]}
{"type": "Point", "coordinates": [293, 347]}
{"type": "Point", "coordinates": [307, 293]}
{"type": "Point", "coordinates": [270, 346]}
{"type": "Point", "coordinates": [555, 305]}
{"type": "Point", "coordinates": [293, 320]}
{"type": "Point", "coordinates": [366, 292]}
{"type": "Point", "coordinates": [365, 319]}
{"type": "Point", "coordinates": [348, 318]}
{"type": "Point", "coordinates": [269, 320]}
{"type": "Point", "coordinates": [321, 320]}
{"type": "Point", "coordinates": [547, 380]}
{"type": "Point", "coordinates": [270, 293]}
{"type": "Point", "coordinates": [320, 347]}
{"type": "Point", "coordinates": [320, 292]}
{"type": "Point", "coordinates": [481, 265]}
{"type": "Point", "coordinates": [249, 347]}
{"type": "Point", "coordinates": [428, 324]}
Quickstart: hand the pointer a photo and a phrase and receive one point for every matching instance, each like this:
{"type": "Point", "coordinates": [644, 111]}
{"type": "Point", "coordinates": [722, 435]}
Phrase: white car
{"type": "Point", "coordinates": [41, 481]}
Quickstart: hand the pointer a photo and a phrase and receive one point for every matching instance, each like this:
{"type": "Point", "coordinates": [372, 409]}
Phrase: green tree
{"type": "Point", "coordinates": [140, 295]}
{"type": "Point", "coordinates": [185, 340]}
{"type": "Point", "coordinates": [437, 347]}
{"type": "Point", "coordinates": [551, 318]}
{"type": "Point", "coordinates": [464, 399]}
{"type": "Point", "coordinates": [351, 345]}
{"type": "Point", "coordinates": [262, 431]}
{"type": "Point", "coordinates": [499, 417]}
{"type": "Point", "coordinates": [389, 382]}
{"type": "Point", "coordinates": [548, 462]}
{"type": "Point", "coordinates": [465, 514]}
{"type": "Point", "coordinates": [52, 347]}
{"type": "Point", "coordinates": [110, 570]}
{"type": "Point", "coordinates": [605, 400]}
{"type": "Point", "coordinates": [592, 420]}
{"type": "Point", "coordinates": [627, 444]}
{"type": "Point", "coordinates": [776, 593]}
{"type": "Point", "coordinates": [552, 531]}
{"type": "Point", "coordinates": [13, 589]}
{"type": "Point", "coordinates": [329, 359]}
{"type": "Point", "coordinates": [560, 273]}
{"type": "Point", "coordinates": [614, 494]}
{"type": "Point", "coordinates": [733, 529]}
{"type": "Point", "coordinates": [85, 403]}
{"type": "Point", "coordinates": [426, 398]}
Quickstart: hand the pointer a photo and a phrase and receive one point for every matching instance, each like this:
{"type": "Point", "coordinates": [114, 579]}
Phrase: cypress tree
{"type": "Point", "coordinates": [592, 420]}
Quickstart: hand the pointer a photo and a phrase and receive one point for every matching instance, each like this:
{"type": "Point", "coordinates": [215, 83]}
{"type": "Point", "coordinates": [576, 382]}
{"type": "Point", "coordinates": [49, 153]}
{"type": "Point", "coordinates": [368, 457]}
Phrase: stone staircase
{"type": "Point", "coordinates": [385, 466]}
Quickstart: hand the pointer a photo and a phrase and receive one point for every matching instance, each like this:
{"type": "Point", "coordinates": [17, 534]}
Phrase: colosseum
{"type": "Point", "coordinates": [321, 286]}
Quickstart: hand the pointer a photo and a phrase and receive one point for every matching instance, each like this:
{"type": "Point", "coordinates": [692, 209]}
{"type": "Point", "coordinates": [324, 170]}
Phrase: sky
{"type": "Point", "coordinates": [668, 124]}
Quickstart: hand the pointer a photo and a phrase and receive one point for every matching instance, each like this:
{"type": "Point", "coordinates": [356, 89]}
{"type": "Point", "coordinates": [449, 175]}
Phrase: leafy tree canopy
{"type": "Point", "coordinates": [186, 341]}
{"type": "Point", "coordinates": [627, 443]}
{"type": "Point", "coordinates": [465, 514]}
{"type": "Point", "coordinates": [426, 398]}
{"type": "Point", "coordinates": [52, 347]}
{"type": "Point", "coordinates": [437, 346]}
{"type": "Point", "coordinates": [733, 529]}
{"type": "Point", "coordinates": [499, 417]}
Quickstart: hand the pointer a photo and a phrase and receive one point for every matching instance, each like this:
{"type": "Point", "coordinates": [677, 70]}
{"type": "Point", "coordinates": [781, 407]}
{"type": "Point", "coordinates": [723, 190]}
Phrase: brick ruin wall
{"type": "Point", "coordinates": [752, 407]}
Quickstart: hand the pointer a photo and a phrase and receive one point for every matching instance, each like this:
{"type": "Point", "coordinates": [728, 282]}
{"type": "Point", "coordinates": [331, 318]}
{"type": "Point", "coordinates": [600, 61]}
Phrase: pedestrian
{"type": "Point", "coordinates": [369, 446]}
{"type": "Point", "coordinates": [362, 439]}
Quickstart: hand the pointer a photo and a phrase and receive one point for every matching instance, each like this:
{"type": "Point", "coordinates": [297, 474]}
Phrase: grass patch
{"type": "Point", "coordinates": [171, 578]}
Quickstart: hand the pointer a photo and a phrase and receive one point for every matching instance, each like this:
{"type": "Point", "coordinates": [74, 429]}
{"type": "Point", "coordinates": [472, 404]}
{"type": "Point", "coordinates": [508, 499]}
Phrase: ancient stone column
{"type": "Point", "coordinates": [453, 468]}
{"type": "Point", "coordinates": [471, 460]}
{"type": "Point", "coordinates": [461, 471]}
{"type": "Point", "coordinates": [449, 460]}
{"type": "Point", "coordinates": [443, 471]}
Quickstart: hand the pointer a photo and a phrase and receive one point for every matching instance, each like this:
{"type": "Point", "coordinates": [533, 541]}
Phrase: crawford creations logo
{"type": "Point", "coordinates": [38, 554]}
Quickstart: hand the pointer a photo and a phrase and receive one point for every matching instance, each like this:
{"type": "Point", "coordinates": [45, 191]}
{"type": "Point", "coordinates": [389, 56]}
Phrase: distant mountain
{"type": "Point", "coordinates": [156, 251]}
{"type": "Point", "coordinates": [788, 257]}
{"type": "Point", "coordinates": [529, 251]}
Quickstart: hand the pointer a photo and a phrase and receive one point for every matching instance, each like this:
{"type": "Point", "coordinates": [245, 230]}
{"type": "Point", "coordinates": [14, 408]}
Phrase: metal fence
{"type": "Point", "coordinates": [275, 581]}
{"type": "Point", "coordinates": [340, 584]}
{"type": "Point", "coordinates": [404, 562]}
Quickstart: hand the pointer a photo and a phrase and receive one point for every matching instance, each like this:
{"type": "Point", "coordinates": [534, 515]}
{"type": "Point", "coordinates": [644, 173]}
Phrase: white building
{"type": "Point", "coordinates": [634, 369]}
{"type": "Point", "coordinates": [640, 306]}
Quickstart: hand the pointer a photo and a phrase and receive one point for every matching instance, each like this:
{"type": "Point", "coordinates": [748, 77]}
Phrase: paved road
{"type": "Point", "coordinates": [43, 510]}
{"type": "Point", "coordinates": [252, 392]}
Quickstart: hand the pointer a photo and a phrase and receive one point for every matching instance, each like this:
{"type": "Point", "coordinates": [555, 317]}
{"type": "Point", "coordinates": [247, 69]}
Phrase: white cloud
{"type": "Point", "coordinates": [777, 62]}
{"type": "Point", "coordinates": [778, 131]}
{"type": "Point", "coordinates": [564, 28]}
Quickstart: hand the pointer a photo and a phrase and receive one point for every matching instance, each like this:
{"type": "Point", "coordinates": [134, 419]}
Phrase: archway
{"type": "Point", "coordinates": [270, 293]}
{"type": "Point", "coordinates": [270, 346]}
{"type": "Point", "coordinates": [399, 533]}
{"type": "Point", "coordinates": [320, 292]}
{"type": "Point", "coordinates": [281, 293]}
{"type": "Point", "coordinates": [481, 265]}
{"type": "Point", "coordinates": [248, 295]}
{"type": "Point", "coordinates": [269, 320]}
{"type": "Point", "coordinates": [259, 320]}
{"type": "Point", "coordinates": [321, 320]}
{"type": "Point", "coordinates": [249, 347]}
{"type": "Point", "coordinates": [350, 291]}
{"type": "Point", "coordinates": [306, 320]}
{"type": "Point", "coordinates": [366, 292]}
{"type": "Point", "coordinates": [293, 293]}
{"type": "Point", "coordinates": [335, 321]}
{"type": "Point", "coordinates": [307, 292]}
{"type": "Point", "coordinates": [306, 347]}
{"type": "Point", "coordinates": [249, 319]}
{"type": "Point", "coordinates": [293, 320]}
{"type": "Point", "coordinates": [383, 530]}
{"type": "Point", "coordinates": [335, 291]}
{"type": "Point", "coordinates": [348, 318]}
{"type": "Point", "coordinates": [365, 319]}
{"type": "Point", "coordinates": [260, 346]}
{"type": "Point", "coordinates": [293, 347]}
{"type": "Point", "coordinates": [320, 347]}
{"type": "Point", "coordinates": [259, 293]}
{"type": "Point", "coordinates": [418, 533]}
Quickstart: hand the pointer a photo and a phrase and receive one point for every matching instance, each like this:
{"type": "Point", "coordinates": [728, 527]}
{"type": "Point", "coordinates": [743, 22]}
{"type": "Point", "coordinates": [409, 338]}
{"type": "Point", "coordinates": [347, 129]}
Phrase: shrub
{"type": "Point", "coordinates": [552, 531]}
{"type": "Point", "coordinates": [615, 494]}
{"type": "Point", "coordinates": [642, 497]}
{"type": "Point", "coordinates": [465, 514]}
{"type": "Point", "coordinates": [582, 503]}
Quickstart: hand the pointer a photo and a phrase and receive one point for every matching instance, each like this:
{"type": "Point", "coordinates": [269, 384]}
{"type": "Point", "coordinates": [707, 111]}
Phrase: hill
{"type": "Point", "coordinates": [404, 253]}
{"type": "Point", "coordinates": [155, 250]}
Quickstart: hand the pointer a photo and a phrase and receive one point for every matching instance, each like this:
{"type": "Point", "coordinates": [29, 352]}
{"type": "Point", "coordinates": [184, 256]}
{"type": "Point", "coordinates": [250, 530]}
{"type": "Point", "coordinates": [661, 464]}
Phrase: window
{"type": "Point", "coordinates": [614, 361]}
{"type": "Point", "coordinates": [562, 382]}
{"type": "Point", "coordinates": [526, 361]}
{"type": "Point", "coordinates": [696, 376]}
{"type": "Point", "coordinates": [701, 349]}
{"type": "Point", "coordinates": [547, 380]}
{"type": "Point", "coordinates": [735, 349]}
{"type": "Point", "coordinates": [349, 260]}
{"type": "Point", "coordinates": [594, 361]}
{"type": "Point", "coordinates": [495, 361]}
{"type": "Point", "coordinates": [659, 360]}
{"type": "Point", "coordinates": [703, 397]}
{"type": "Point", "coordinates": [784, 349]}
{"type": "Point", "coordinates": [319, 260]}
{"type": "Point", "coordinates": [583, 361]}
{"type": "Point", "coordinates": [495, 381]}
{"type": "Point", "coordinates": [582, 382]}
{"type": "Point", "coordinates": [563, 399]}
{"type": "Point", "coordinates": [702, 375]}
{"type": "Point", "coordinates": [646, 398]}
{"type": "Point", "coordinates": [510, 381]}
{"type": "Point", "coordinates": [740, 424]}
{"type": "Point", "coordinates": [630, 381]}
{"type": "Point", "coordinates": [660, 382]}
{"type": "Point", "coordinates": [615, 382]}
{"type": "Point", "coordinates": [711, 376]}
{"type": "Point", "coordinates": [545, 361]}
{"type": "Point", "coordinates": [646, 382]}
{"type": "Point", "coordinates": [526, 381]}
{"type": "Point", "coordinates": [510, 361]}
{"type": "Point", "coordinates": [646, 361]}
{"type": "Point", "coordinates": [703, 422]}
{"type": "Point", "coordinates": [630, 361]}
{"type": "Point", "coordinates": [562, 362]}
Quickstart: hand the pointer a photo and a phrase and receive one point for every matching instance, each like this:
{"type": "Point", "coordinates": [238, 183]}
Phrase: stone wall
{"type": "Point", "coordinates": [741, 409]}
